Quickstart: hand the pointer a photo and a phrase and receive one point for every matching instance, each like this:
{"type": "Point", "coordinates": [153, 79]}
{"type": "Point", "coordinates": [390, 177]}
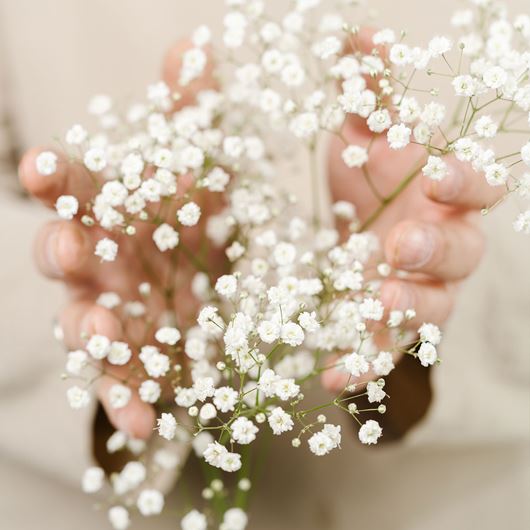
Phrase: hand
{"type": "Point", "coordinates": [64, 251]}
{"type": "Point", "coordinates": [428, 230]}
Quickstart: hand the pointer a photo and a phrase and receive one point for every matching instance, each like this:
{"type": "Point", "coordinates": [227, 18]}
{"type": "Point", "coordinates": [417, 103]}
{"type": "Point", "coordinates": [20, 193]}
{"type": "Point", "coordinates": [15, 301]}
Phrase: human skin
{"type": "Point", "coordinates": [427, 230]}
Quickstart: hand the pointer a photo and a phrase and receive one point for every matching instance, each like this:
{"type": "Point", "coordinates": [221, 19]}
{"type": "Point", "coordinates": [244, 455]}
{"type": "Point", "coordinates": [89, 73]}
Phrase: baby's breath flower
{"type": "Point", "coordinates": [46, 163]}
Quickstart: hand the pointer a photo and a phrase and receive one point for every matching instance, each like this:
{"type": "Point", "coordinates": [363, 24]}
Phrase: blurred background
{"type": "Point", "coordinates": [466, 466]}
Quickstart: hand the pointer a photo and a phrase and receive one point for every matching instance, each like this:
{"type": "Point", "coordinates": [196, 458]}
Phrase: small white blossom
{"type": "Point", "coordinates": [370, 432]}
{"type": "Point", "coordinates": [167, 426]}
{"type": "Point", "coordinates": [150, 502]}
{"type": "Point", "coordinates": [67, 206]}
{"type": "Point", "coordinates": [46, 163]}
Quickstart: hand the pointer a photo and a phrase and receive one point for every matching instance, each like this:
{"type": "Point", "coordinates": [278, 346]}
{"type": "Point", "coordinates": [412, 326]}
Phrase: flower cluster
{"type": "Point", "coordinates": [224, 351]}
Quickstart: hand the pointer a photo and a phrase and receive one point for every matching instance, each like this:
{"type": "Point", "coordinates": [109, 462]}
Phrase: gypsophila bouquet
{"type": "Point", "coordinates": [240, 302]}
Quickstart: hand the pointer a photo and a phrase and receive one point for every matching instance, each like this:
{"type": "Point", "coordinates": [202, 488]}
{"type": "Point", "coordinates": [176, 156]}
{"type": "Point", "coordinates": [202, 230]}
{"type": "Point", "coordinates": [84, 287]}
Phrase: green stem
{"type": "Point", "coordinates": [390, 198]}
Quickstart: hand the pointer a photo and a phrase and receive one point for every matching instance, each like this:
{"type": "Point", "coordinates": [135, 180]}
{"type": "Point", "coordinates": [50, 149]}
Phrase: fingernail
{"type": "Point", "coordinates": [51, 252]}
{"type": "Point", "coordinates": [396, 295]}
{"type": "Point", "coordinates": [415, 247]}
{"type": "Point", "coordinates": [449, 187]}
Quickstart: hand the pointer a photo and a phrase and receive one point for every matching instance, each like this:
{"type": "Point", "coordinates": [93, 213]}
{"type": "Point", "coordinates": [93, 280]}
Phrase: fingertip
{"type": "Point", "coordinates": [99, 320]}
{"type": "Point", "coordinates": [447, 190]}
{"type": "Point", "coordinates": [43, 187]}
{"type": "Point", "coordinates": [137, 419]}
{"type": "Point", "coordinates": [411, 245]}
{"type": "Point", "coordinates": [73, 248]}
{"type": "Point", "coordinates": [396, 295]}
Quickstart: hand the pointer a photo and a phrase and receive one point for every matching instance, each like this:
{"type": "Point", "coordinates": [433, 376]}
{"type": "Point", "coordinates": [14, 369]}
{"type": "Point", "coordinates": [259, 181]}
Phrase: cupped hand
{"type": "Point", "coordinates": [64, 250]}
{"type": "Point", "coordinates": [428, 230]}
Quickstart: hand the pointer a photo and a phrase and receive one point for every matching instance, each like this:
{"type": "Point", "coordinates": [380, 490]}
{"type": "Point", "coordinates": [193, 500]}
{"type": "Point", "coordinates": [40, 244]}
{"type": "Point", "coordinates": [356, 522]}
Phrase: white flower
{"type": "Point", "coordinates": [433, 114]}
{"type": "Point", "coordinates": [354, 156]}
{"type": "Point", "coordinates": [430, 333]}
{"type": "Point", "coordinates": [78, 398]}
{"type": "Point", "coordinates": [309, 321]}
{"type": "Point", "coordinates": [225, 398]}
{"type": "Point", "coordinates": [156, 365]}
{"type": "Point", "coordinates": [189, 214]}
{"type": "Point", "coordinates": [435, 169]}
{"type": "Point", "coordinates": [165, 237]}
{"type": "Point", "coordinates": [167, 426]}
{"type": "Point", "coordinates": [214, 453]}
{"type": "Point", "coordinates": [464, 85]}
{"type": "Point", "coordinates": [370, 432]}
{"type": "Point", "coordinates": [150, 502]}
{"type": "Point", "coordinates": [119, 518]}
{"type": "Point", "coordinates": [106, 249]}
{"type": "Point", "coordinates": [496, 174]}
{"type": "Point", "coordinates": [76, 361]}
{"type": "Point", "coordinates": [485, 127]}
{"type": "Point", "coordinates": [216, 179]}
{"type": "Point", "coordinates": [234, 519]}
{"type": "Point", "coordinates": [95, 159]}
{"type": "Point", "coordinates": [466, 149]}
{"type": "Point", "coordinates": [204, 388]}
{"type": "Point", "coordinates": [383, 364]}
{"type": "Point", "coordinates": [46, 163]}
{"type": "Point", "coordinates": [371, 309]}
{"type": "Point", "coordinates": [280, 421]}
{"type": "Point", "coordinates": [292, 334]}
{"type": "Point", "coordinates": [99, 104]}
{"type": "Point", "coordinates": [398, 136]}
{"type": "Point", "coordinates": [230, 462]}
{"type": "Point", "coordinates": [149, 391]}
{"type": "Point", "coordinates": [168, 335]}
{"type": "Point", "coordinates": [379, 121]}
{"type": "Point", "coordinates": [207, 412]}
{"type": "Point", "coordinates": [328, 47]}
{"type": "Point", "coordinates": [93, 479]}
{"type": "Point", "coordinates": [439, 45]}
{"type": "Point", "coordinates": [304, 125]}
{"type": "Point", "coordinates": [522, 223]}
{"type": "Point", "coordinates": [119, 396]}
{"type": "Point", "coordinates": [119, 353]}
{"type": "Point", "coordinates": [133, 474]}
{"type": "Point", "coordinates": [98, 346]}
{"type": "Point", "coordinates": [321, 443]}
{"type": "Point", "coordinates": [76, 135]}
{"type": "Point", "coordinates": [400, 54]}
{"type": "Point", "coordinates": [243, 431]}
{"type": "Point", "coordinates": [269, 331]}
{"type": "Point", "coordinates": [67, 206]}
{"type": "Point", "coordinates": [194, 520]}
{"type": "Point", "coordinates": [427, 354]}
{"type": "Point", "coordinates": [195, 348]}
{"type": "Point", "coordinates": [355, 364]}
{"type": "Point", "coordinates": [226, 285]}
{"type": "Point", "coordinates": [495, 77]}
{"type": "Point", "coordinates": [375, 392]}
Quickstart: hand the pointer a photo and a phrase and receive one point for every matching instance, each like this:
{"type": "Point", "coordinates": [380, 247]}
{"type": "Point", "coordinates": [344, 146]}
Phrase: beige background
{"type": "Point", "coordinates": [465, 467]}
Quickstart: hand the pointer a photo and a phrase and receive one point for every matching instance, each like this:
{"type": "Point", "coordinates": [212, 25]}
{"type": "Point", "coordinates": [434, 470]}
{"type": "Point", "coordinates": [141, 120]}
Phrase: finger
{"type": "Point", "coordinates": [171, 71]}
{"type": "Point", "coordinates": [137, 418]}
{"type": "Point", "coordinates": [432, 301]}
{"type": "Point", "coordinates": [462, 187]}
{"type": "Point", "coordinates": [64, 249]}
{"type": "Point", "coordinates": [84, 318]}
{"type": "Point", "coordinates": [68, 179]}
{"type": "Point", "coordinates": [448, 250]}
